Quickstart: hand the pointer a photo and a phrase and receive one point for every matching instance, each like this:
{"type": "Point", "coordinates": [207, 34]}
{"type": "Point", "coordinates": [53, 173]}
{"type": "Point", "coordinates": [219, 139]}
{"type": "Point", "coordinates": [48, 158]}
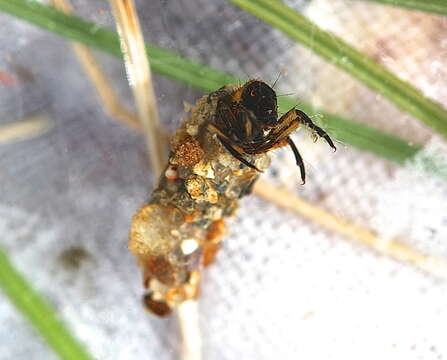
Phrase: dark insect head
{"type": "Point", "coordinates": [260, 99]}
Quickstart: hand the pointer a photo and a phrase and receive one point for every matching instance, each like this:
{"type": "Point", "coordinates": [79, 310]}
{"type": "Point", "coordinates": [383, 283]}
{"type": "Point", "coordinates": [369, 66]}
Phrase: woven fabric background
{"type": "Point", "coordinates": [282, 287]}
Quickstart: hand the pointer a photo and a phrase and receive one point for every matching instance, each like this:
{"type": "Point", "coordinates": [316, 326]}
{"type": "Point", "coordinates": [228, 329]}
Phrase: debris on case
{"type": "Point", "coordinates": [179, 231]}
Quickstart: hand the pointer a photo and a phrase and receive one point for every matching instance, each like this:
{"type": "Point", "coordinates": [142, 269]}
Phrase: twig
{"type": "Point", "coordinates": [389, 247]}
{"type": "Point", "coordinates": [24, 129]}
{"type": "Point", "coordinates": [140, 79]}
{"type": "Point", "coordinates": [99, 79]}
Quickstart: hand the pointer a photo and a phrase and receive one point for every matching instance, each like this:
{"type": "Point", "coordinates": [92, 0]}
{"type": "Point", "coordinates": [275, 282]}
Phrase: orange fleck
{"type": "Point", "coordinates": [7, 79]}
{"type": "Point", "coordinates": [212, 243]}
{"type": "Point", "coordinates": [216, 230]}
{"type": "Point", "coordinates": [161, 269]}
{"type": "Point", "coordinates": [209, 253]}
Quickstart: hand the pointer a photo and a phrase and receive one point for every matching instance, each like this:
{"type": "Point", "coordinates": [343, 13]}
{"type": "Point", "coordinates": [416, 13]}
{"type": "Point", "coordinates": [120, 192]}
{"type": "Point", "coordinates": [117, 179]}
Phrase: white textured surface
{"type": "Point", "coordinates": [282, 287]}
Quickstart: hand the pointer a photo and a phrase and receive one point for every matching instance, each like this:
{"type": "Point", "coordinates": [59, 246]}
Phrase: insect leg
{"type": "Point", "coordinates": [236, 153]}
{"type": "Point", "coordinates": [298, 158]}
{"type": "Point", "coordinates": [304, 119]}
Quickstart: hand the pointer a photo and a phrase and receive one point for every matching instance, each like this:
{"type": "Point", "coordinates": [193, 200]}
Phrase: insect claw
{"type": "Point", "coordinates": [250, 165]}
{"type": "Point", "coordinates": [254, 167]}
{"type": "Point", "coordinates": [329, 141]}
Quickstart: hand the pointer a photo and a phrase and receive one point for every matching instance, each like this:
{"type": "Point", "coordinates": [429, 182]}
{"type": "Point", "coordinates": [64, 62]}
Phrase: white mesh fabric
{"type": "Point", "coordinates": [282, 286]}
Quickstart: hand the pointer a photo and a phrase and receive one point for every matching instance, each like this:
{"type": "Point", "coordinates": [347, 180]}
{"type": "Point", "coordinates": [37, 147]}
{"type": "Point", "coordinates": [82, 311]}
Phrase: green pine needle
{"type": "Point", "coordinates": [430, 6]}
{"type": "Point", "coordinates": [39, 313]}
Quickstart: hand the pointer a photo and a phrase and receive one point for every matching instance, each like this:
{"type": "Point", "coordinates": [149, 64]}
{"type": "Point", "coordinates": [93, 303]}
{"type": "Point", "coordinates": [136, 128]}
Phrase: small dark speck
{"type": "Point", "coordinates": [24, 73]}
{"type": "Point", "coordinates": [73, 257]}
{"type": "Point", "coordinates": [432, 231]}
{"type": "Point", "coordinates": [274, 172]}
{"type": "Point", "coordinates": [321, 196]}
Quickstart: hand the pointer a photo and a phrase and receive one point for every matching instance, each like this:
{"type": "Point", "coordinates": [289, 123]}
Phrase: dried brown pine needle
{"type": "Point", "coordinates": [24, 129]}
{"type": "Point", "coordinates": [389, 247]}
{"type": "Point", "coordinates": [99, 79]}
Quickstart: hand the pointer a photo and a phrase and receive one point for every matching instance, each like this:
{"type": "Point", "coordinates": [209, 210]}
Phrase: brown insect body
{"type": "Point", "coordinates": [246, 122]}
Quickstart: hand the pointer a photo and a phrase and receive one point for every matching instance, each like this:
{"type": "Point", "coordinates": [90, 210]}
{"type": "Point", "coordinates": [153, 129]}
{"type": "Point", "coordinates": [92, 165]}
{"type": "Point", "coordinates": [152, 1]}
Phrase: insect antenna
{"type": "Point", "coordinates": [286, 94]}
{"type": "Point", "coordinates": [277, 78]}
